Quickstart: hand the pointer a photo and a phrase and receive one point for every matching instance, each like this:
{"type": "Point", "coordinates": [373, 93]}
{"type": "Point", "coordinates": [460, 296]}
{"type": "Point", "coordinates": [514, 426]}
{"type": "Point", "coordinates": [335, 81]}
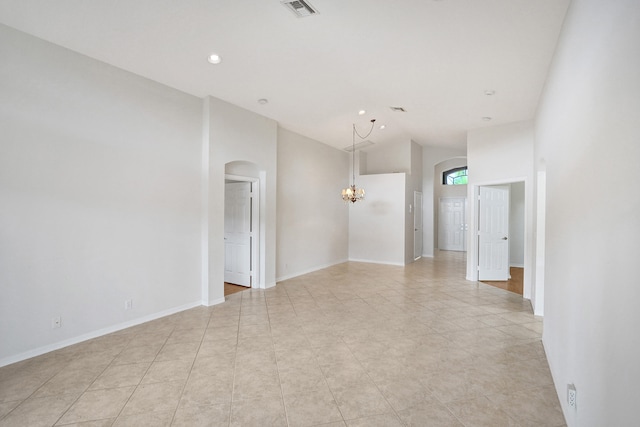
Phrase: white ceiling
{"type": "Point", "coordinates": [434, 58]}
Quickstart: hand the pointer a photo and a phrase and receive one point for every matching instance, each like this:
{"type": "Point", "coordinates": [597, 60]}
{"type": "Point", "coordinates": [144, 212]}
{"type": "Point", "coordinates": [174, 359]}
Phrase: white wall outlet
{"type": "Point", "coordinates": [571, 395]}
{"type": "Point", "coordinates": [56, 322]}
{"type": "Point", "coordinates": [128, 304]}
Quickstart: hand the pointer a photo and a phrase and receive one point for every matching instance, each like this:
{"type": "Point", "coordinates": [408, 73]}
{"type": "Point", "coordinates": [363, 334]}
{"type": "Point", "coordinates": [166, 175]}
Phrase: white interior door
{"type": "Point", "coordinates": [237, 233]}
{"type": "Point", "coordinates": [417, 224]}
{"type": "Point", "coordinates": [452, 224]}
{"type": "Point", "coordinates": [493, 233]}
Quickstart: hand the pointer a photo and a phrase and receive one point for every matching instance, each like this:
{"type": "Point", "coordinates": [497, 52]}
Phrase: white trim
{"type": "Point", "coordinates": [256, 265]}
{"type": "Point", "coordinates": [368, 261]}
{"type": "Point", "coordinates": [214, 302]}
{"type": "Point", "coordinates": [95, 334]}
{"type": "Point", "coordinates": [517, 265]}
{"type": "Point", "coordinates": [472, 236]}
{"type": "Point", "coordinates": [310, 270]}
{"type": "Point", "coordinates": [539, 258]}
{"type": "Point", "coordinates": [204, 208]}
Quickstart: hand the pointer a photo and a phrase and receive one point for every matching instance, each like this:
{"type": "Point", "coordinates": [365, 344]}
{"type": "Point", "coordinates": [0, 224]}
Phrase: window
{"type": "Point", "coordinates": [457, 176]}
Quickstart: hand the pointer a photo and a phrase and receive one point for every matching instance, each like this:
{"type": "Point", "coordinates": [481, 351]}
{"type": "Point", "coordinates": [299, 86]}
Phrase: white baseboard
{"type": "Point", "coordinates": [307, 271]}
{"type": "Point", "coordinates": [95, 334]}
{"type": "Point", "coordinates": [517, 265]}
{"type": "Point", "coordinates": [401, 264]}
{"type": "Point", "coordinates": [214, 302]}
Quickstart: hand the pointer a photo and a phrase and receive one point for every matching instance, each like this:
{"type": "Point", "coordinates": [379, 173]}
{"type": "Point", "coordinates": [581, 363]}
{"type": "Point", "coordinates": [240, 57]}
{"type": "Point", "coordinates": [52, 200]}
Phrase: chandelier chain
{"type": "Point", "coordinates": [353, 147]}
{"type": "Point", "coordinates": [352, 193]}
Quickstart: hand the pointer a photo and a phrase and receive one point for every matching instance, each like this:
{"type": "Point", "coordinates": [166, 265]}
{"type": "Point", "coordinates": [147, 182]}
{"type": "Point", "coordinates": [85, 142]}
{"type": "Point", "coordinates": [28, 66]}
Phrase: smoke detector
{"type": "Point", "coordinates": [300, 8]}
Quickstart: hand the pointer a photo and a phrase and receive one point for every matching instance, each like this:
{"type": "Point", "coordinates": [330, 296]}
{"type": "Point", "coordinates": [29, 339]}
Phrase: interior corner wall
{"type": "Point", "coordinates": [99, 197]}
{"type": "Point", "coordinates": [431, 156]}
{"type": "Point", "coordinates": [313, 220]}
{"type": "Point", "coordinates": [388, 158]}
{"type": "Point", "coordinates": [239, 135]}
{"type": "Point", "coordinates": [587, 141]}
{"type": "Point", "coordinates": [377, 225]}
{"type": "Point", "coordinates": [501, 155]}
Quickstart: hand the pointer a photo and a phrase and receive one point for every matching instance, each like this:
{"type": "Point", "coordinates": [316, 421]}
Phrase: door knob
{"type": "Point", "coordinates": [504, 238]}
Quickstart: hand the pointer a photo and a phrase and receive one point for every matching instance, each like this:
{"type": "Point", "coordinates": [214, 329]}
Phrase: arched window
{"type": "Point", "coordinates": [456, 176]}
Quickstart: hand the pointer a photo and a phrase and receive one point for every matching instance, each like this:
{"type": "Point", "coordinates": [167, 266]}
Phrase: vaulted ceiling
{"type": "Point", "coordinates": [453, 65]}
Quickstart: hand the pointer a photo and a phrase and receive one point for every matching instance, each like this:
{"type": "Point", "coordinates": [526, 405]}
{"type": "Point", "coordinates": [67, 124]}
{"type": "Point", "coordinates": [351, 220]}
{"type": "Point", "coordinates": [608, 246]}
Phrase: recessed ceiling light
{"type": "Point", "coordinates": [382, 127]}
{"type": "Point", "coordinates": [214, 58]}
{"type": "Point", "coordinates": [486, 119]}
{"type": "Point", "coordinates": [362, 112]}
{"type": "Point", "coordinates": [489, 92]}
{"type": "Point", "coordinates": [263, 101]}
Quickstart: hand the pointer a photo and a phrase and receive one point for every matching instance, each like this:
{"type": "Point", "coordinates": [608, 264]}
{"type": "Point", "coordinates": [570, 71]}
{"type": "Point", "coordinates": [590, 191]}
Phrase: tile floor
{"type": "Point", "coordinates": [352, 345]}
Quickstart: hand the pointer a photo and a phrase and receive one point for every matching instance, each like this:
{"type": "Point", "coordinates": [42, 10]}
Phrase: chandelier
{"type": "Point", "coordinates": [352, 193]}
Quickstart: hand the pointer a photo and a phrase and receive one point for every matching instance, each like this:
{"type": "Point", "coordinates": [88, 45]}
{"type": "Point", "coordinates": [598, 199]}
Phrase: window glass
{"type": "Point", "coordinates": [457, 176]}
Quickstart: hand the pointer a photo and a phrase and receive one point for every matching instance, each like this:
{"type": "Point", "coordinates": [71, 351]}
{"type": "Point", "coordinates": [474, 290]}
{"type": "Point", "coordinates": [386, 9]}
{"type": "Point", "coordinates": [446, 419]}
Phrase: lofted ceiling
{"type": "Point", "coordinates": [434, 58]}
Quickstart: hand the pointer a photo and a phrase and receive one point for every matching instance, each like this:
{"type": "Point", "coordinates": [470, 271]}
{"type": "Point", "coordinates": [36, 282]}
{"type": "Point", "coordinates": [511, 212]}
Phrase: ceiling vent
{"type": "Point", "coordinates": [359, 146]}
{"type": "Point", "coordinates": [300, 8]}
{"type": "Point", "coordinates": [398, 109]}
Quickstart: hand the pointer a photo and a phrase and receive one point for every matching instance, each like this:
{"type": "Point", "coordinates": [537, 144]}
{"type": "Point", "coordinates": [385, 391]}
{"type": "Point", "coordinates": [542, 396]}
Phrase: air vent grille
{"type": "Point", "coordinates": [398, 109]}
{"type": "Point", "coordinates": [300, 8]}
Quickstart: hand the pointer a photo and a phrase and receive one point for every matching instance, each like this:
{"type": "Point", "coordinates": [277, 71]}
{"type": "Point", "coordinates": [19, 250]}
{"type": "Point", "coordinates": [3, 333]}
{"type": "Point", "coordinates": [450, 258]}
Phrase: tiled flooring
{"type": "Point", "coordinates": [352, 345]}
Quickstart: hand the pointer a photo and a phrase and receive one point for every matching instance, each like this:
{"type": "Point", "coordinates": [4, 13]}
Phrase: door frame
{"type": "Point", "coordinates": [255, 225]}
{"type": "Point", "coordinates": [474, 225]}
{"type": "Point", "coordinates": [466, 225]}
{"type": "Point", "coordinates": [418, 215]}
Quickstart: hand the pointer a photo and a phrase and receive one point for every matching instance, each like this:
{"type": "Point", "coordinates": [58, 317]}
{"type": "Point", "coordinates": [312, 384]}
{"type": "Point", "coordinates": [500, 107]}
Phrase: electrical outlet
{"type": "Point", "coordinates": [128, 304]}
{"type": "Point", "coordinates": [56, 322]}
{"type": "Point", "coordinates": [571, 395]}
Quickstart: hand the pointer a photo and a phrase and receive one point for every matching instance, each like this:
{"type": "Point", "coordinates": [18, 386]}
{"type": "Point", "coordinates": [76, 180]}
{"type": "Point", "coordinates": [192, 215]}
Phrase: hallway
{"type": "Point", "coordinates": [351, 345]}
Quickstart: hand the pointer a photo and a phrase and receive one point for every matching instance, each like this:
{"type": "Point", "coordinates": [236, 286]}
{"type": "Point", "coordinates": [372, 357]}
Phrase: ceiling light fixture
{"type": "Point", "coordinates": [352, 193]}
{"type": "Point", "coordinates": [382, 127]}
{"type": "Point", "coordinates": [214, 58]}
{"type": "Point", "coordinates": [361, 113]}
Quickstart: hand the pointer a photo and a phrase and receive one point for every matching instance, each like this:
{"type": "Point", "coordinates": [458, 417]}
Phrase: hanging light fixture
{"type": "Point", "coordinates": [352, 193]}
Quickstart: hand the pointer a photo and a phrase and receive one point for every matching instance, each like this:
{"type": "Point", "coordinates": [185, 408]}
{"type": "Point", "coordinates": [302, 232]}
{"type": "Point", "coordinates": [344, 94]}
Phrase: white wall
{"type": "Point", "coordinates": [313, 221]}
{"type": "Point", "coordinates": [431, 156]}
{"type": "Point", "coordinates": [516, 224]}
{"type": "Point", "coordinates": [377, 224]}
{"type": "Point", "coordinates": [233, 134]}
{"type": "Point", "coordinates": [389, 158]}
{"type": "Point", "coordinates": [404, 158]}
{"type": "Point", "coordinates": [588, 142]}
{"type": "Point", "coordinates": [496, 155]}
{"type": "Point", "coordinates": [99, 197]}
